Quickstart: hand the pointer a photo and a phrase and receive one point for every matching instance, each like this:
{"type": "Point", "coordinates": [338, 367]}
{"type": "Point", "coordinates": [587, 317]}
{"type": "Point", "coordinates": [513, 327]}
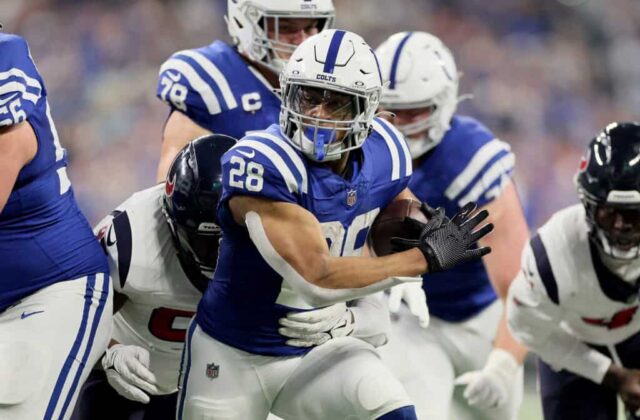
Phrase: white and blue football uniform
{"type": "Point", "coordinates": [577, 309]}
{"type": "Point", "coordinates": [345, 210]}
{"type": "Point", "coordinates": [161, 300]}
{"type": "Point", "coordinates": [217, 89]}
{"type": "Point", "coordinates": [55, 299]}
{"type": "Point", "coordinates": [235, 333]}
{"type": "Point", "coordinates": [469, 164]}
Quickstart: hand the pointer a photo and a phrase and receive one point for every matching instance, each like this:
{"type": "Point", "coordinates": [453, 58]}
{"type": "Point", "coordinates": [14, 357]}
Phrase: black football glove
{"type": "Point", "coordinates": [446, 243]}
{"type": "Point", "coordinates": [435, 219]}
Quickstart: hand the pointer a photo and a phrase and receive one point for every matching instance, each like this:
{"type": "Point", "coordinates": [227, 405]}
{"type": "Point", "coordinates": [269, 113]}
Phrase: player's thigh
{"type": "Point", "coordinates": [341, 379]}
{"type": "Point", "coordinates": [48, 344]}
{"type": "Point", "coordinates": [218, 381]}
{"type": "Point", "coordinates": [568, 396]}
{"type": "Point", "coordinates": [469, 344]}
{"type": "Point", "coordinates": [419, 359]}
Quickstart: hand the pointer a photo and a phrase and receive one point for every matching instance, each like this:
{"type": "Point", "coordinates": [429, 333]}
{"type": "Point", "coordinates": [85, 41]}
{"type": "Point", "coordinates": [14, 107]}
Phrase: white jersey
{"type": "Point", "coordinates": [144, 266]}
{"type": "Point", "coordinates": [565, 298]}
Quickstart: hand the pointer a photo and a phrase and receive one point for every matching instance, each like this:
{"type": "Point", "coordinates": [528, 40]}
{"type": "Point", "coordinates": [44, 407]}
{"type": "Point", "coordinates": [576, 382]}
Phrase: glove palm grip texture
{"type": "Point", "coordinates": [446, 243]}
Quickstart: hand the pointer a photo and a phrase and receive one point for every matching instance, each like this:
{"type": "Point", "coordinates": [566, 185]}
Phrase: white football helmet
{"type": "Point", "coordinates": [247, 24]}
{"type": "Point", "coordinates": [421, 73]}
{"type": "Point", "coordinates": [337, 71]}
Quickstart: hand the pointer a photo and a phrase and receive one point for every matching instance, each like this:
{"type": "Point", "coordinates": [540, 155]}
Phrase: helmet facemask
{"type": "Point", "coordinates": [615, 228]}
{"type": "Point", "coordinates": [324, 123]}
{"type": "Point", "coordinates": [201, 244]}
{"type": "Point", "coordinates": [196, 246]}
{"type": "Point", "coordinates": [271, 51]}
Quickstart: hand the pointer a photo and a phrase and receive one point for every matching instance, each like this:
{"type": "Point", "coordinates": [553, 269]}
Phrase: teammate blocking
{"type": "Point", "coordinates": [298, 199]}
{"type": "Point", "coordinates": [55, 299]}
{"type": "Point", "coordinates": [456, 159]}
{"type": "Point", "coordinates": [575, 300]}
{"type": "Point", "coordinates": [229, 89]}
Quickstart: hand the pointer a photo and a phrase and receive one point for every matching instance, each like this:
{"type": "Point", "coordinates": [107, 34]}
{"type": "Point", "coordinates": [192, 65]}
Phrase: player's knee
{"type": "Point", "coordinates": [23, 366]}
{"type": "Point", "coordinates": [403, 413]}
{"type": "Point", "coordinates": [378, 390]}
{"type": "Point", "coordinates": [204, 409]}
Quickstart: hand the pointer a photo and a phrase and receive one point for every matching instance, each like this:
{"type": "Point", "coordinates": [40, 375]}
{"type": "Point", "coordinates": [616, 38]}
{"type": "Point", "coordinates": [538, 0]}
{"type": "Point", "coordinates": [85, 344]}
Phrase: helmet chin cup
{"type": "Point", "coordinates": [320, 137]}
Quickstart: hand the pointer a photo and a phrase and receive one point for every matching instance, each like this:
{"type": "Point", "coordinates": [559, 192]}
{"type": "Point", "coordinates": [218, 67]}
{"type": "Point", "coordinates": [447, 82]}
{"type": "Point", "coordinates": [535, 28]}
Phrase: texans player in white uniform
{"type": "Point", "coordinates": [456, 159]}
{"type": "Point", "coordinates": [298, 200]}
{"type": "Point", "coordinates": [227, 89]}
{"type": "Point", "coordinates": [575, 301]}
{"type": "Point", "coordinates": [55, 300]}
{"type": "Point", "coordinates": [162, 247]}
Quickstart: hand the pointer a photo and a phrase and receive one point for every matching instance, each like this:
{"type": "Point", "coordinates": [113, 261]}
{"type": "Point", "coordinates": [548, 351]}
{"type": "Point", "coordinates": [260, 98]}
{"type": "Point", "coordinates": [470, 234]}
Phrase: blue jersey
{"type": "Point", "coordinates": [243, 303]}
{"type": "Point", "coordinates": [44, 238]}
{"type": "Point", "coordinates": [470, 164]}
{"type": "Point", "coordinates": [217, 89]}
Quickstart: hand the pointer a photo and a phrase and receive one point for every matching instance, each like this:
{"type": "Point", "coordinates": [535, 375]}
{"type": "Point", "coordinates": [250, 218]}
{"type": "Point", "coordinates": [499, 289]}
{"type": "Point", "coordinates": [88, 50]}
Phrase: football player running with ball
{"type": "Point", "coordinates": [575, 301]}
{"type": "Point", "coordinates": [297, 202]}
{"type": "Point", "coordinates": [456, 159]}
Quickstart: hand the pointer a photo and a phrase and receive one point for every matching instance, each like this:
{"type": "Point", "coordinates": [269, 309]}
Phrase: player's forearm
{"type": "Point", "coordinates": [506, 341]}
{"type": "Point", "coordinates": [178, 131]}
{"type": "Point", "coordinates": [8, 175]}
{"type": "Point", "coordinates": [358, 272]}
{"type": "Point", "coordinates": [540, 332]}
{"type": "Point", "coordinates": [18, 145]}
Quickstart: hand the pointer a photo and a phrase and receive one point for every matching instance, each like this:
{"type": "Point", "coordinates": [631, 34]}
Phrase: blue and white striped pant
{"type": "Point", "coordinates": [49, 343]}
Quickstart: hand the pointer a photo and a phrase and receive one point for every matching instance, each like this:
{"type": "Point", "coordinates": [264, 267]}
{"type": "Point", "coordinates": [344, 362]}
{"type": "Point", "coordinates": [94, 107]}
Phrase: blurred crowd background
{"type": "Point", "coordinates": [545, 76]}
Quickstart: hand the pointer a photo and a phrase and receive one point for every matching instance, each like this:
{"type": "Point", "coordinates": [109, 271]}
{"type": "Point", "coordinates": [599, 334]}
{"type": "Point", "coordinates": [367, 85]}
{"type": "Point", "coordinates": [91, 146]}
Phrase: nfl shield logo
{"type": "Point", "coordinates": [213, 370]}
{"type": "Point", "coordinates": [352, 196]}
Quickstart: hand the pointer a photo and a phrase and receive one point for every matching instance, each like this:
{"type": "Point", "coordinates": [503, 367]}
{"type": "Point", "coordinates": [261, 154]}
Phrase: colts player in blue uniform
{"type": "Point", "coordinates": [298, 200]}
{"type": "Point", "coordinates": [456, 160]}
{"type": "Point", "coordinates": [55, 299]}
{"type": "Point", "coordinates": [229, 90]}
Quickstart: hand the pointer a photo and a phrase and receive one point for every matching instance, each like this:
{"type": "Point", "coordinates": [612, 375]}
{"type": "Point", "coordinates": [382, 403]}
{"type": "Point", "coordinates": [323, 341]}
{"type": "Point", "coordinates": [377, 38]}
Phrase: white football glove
{"type": "Point", "coordinates": [415, 298]}
{"type": "Point", "coordinates": [489, 387]}
{"type": "Point", "coordinates": [127, 369]}
{"type": "Point", "coordinates": [312, 328]}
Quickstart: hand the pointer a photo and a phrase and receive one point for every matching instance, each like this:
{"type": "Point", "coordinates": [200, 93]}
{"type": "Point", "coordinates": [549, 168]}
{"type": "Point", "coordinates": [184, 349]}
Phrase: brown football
{"type": "Point", "coordinates": [390, 223]}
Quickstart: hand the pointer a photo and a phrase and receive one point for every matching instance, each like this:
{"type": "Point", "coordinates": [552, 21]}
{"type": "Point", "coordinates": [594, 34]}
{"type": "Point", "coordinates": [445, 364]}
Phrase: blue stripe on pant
{"type": "Point", "coordinates": [94, 327]}
{"type": "Point", "coordinates": [184, 367]}
{"type": "Point", "coordinates": [73, 353]}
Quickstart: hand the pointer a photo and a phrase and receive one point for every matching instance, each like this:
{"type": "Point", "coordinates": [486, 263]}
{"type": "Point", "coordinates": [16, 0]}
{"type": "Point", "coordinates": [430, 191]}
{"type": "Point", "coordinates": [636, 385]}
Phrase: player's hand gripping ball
{"type": "Point", "coordinates": [397, 220]}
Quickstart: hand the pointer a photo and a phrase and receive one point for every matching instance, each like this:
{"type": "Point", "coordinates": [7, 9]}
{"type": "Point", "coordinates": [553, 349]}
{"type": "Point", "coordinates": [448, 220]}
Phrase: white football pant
{"type": "Point", "coordinates": [49, 343]}
{"type": "Point", "coordinates": [427, 361]}
{"type": "Point", "coordinates": [341, 379]}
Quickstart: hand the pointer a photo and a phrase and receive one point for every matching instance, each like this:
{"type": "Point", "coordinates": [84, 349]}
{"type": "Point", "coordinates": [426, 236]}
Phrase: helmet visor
{"type": "Point", "coordinates": [324, 104]}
